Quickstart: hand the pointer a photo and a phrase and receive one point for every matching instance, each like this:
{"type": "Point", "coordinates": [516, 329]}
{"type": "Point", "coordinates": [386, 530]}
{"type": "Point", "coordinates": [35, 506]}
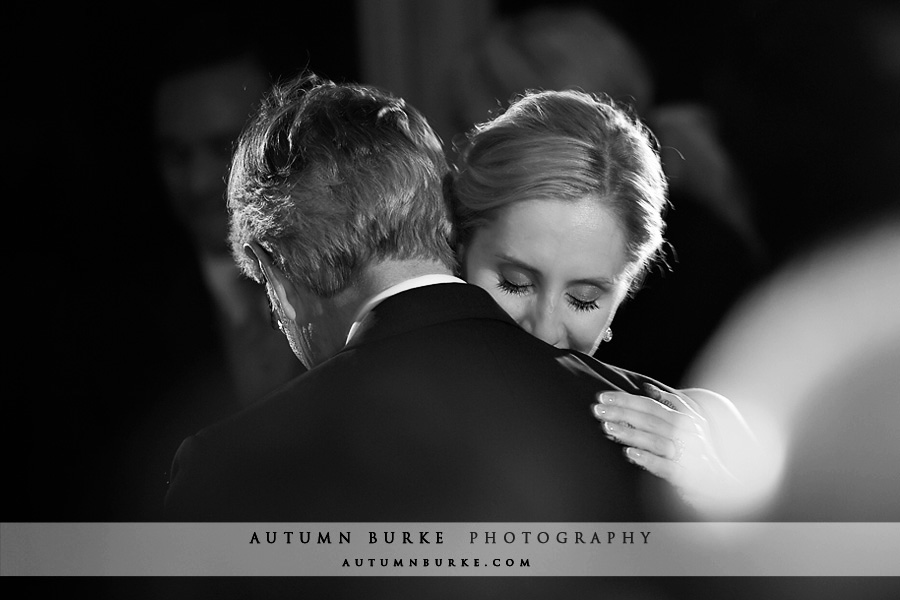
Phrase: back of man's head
{"type": "Point", "coordinates": [329, 178]}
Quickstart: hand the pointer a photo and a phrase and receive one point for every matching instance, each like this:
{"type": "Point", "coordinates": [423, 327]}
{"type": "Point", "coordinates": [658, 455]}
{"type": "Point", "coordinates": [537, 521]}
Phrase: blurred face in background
{"type": "Point", "coordinates": [199, 116]}
{"type": "Point", "coordinates": [559, 268]}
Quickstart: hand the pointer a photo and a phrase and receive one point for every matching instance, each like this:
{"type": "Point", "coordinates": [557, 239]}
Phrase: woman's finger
{"type": "Point", "coordinates": [635, 420]}
{"type": "Point", "coordinates": [657, 465]}
{"type": "Point", "coordinates": [671, 448]}
{"type": "Point", "coordinates": [643, 413]}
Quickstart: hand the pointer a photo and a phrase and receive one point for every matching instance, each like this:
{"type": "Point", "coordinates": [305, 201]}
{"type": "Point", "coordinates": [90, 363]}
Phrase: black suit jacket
{"type": "Point", "coordinates": [440, 409]}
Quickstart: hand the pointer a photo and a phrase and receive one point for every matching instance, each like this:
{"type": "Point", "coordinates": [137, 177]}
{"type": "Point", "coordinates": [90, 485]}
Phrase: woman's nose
{"type": "Point", "coordinates": [545, 323]}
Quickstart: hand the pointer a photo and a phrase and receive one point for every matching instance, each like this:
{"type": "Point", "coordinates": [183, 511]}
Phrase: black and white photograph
{"type": "Point", "coordinates": [455, 298]}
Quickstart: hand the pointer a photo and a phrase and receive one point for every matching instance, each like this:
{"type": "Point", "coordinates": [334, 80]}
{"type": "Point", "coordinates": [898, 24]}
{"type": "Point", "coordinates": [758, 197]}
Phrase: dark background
{"type": "Point", "coordinates": [812, 125]}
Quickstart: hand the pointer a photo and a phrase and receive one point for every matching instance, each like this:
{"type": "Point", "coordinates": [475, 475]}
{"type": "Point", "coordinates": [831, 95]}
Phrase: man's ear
{"type": "Point", "coordinates": [281, 287]}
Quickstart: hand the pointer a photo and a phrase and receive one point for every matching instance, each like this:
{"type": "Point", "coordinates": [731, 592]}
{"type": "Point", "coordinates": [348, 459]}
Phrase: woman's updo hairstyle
{"type": "Point", "coordinates": [563, 145]}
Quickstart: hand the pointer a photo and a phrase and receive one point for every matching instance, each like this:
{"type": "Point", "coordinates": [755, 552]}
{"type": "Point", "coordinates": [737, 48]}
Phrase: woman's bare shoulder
{"type": "Point", "coordinates": [709, 400]}
{"type": "Point", "coordinates": [722, 414]}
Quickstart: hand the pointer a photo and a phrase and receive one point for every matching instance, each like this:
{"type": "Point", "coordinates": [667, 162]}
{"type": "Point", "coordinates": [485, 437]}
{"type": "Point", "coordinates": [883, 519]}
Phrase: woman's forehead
{"type": "Point", "coordinates": [569, 239]}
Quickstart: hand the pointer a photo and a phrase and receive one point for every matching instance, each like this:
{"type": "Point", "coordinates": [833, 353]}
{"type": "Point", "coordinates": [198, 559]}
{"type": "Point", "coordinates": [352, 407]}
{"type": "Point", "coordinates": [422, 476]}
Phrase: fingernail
{"type": "Point", "coordinates": [610, 427]}
{"type": "Point", "coordinates": [633, 453]}
{"type": "Point", "coordinates": [607, 399]}
{"type": "Point", "coordinates": [599, 411]}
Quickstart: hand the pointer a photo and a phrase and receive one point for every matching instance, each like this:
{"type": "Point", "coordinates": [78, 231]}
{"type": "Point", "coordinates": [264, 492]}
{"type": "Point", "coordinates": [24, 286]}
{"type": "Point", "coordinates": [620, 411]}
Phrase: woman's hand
{"type": "Point", "coordinates": [666, 435]}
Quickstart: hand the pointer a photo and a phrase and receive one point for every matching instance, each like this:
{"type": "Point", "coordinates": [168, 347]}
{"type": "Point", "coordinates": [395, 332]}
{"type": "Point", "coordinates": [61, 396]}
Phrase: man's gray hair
{"type": "Point", "coordinates": [328, 178]}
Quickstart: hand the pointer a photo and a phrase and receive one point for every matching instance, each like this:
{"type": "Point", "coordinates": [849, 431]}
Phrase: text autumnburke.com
{"type": "Point", "coordinates": [437, 537]}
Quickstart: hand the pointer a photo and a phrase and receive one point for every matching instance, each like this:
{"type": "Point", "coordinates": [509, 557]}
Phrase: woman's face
{"type": "Point", "coordinates": [558, 267]}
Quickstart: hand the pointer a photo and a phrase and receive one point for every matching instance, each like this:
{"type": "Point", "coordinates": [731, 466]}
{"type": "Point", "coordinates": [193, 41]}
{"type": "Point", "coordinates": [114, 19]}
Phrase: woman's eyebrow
{"type": "Point", "coordinates": [600, 282]}
{"type": "Point", "coordinates": [518, 263]}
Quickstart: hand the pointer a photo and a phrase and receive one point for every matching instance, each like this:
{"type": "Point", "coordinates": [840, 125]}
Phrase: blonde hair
{"type": "Point", "coordinates": [564, 145]}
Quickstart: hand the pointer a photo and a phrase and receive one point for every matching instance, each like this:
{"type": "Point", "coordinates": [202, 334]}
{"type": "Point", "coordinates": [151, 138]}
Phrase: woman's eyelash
{"type": "Point", "coordinates": [519, 289]}
{"type": "Point", "coordinates": [513, 288]}
{"type": "Point", "coordinates": [582, 305]}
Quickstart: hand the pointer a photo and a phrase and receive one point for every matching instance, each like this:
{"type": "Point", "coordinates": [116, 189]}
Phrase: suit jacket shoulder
{"type": "Point", "coordinates": [441, 409]}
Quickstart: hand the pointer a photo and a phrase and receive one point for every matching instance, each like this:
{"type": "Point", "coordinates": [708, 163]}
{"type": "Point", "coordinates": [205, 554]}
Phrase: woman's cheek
{"type": "Point", "coordinates": [511, 304]}
{"type": "Point", "coordinates": [588, 330]}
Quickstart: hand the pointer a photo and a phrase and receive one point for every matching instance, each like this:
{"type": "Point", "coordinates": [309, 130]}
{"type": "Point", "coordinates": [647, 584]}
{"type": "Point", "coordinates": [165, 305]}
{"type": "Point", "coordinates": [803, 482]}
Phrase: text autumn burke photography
{"type": "Point", "coordinates": [437, 537]}
{"type": "Point", "coordinates": [437, 549]}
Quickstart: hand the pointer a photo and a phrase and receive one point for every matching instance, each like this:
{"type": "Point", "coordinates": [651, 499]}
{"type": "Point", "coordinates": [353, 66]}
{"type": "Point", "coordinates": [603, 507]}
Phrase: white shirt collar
{"type": "Point", "coordinates": [394, 290]}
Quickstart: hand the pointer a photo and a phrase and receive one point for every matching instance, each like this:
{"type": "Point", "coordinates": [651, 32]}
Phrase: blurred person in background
{"type": "Point", "coordinates": [210, 345]}
{"type": "Point", "coordinates": [809, 101]}
{"type": "Point", "coordinates": [200, 111]}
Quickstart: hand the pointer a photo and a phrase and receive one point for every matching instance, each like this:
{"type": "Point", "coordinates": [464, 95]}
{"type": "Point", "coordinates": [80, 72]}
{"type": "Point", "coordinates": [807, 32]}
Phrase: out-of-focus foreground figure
{"type": "Point", "coordinates": [812, 358]}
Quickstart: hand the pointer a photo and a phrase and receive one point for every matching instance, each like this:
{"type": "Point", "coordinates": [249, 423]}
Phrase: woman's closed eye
{"type": "Point", "coordinates": [515, 288]}
{"type": "Point", "coordinates": [521, 286]}
{"type": "Point", "coordinates": [584, 296]}
{"type": "Point", "coordinates": [581, 305]}
{"type": "Point", "coordinates": [513, 280]}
